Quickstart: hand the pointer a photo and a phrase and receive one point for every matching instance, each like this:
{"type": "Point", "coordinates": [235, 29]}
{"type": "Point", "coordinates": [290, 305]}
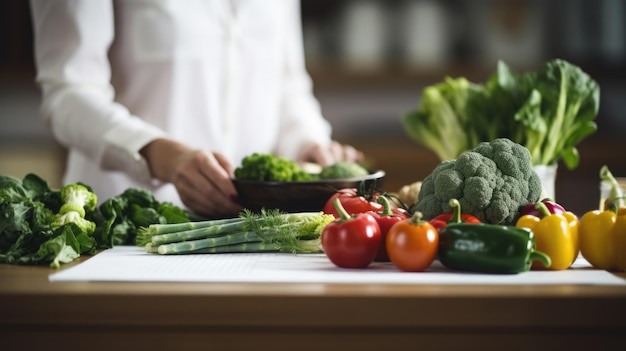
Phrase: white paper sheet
{"type": "Point", "coordinates": [125, 264]}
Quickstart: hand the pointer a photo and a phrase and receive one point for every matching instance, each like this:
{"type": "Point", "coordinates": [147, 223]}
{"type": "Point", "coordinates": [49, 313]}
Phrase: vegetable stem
{"type": "Point", "coordinates": [542, 208]}
{"type": "Point", "coordinates": [456, 211]}
{"type": "Point", "coordinates": [343, 214]}
{"type": "Point", "coordinates": [203, 232]}
{"type": "Point", "coordinates": [157, 229]}
{"type": "Point", "coordinates": [241, 248]}
{"type": "Point", "coordinates": [278, 231]}
{"type": "Point", "coordinates": [386, 205]}
{"type": "Point", "coordinates": [194, 245]}
{"type": "Point", "coordinates": [616, 195]}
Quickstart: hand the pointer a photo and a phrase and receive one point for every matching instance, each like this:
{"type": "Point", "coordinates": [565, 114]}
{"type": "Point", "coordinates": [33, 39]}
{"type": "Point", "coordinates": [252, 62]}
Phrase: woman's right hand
{"type": "Point", "coordinates": [202, 178]}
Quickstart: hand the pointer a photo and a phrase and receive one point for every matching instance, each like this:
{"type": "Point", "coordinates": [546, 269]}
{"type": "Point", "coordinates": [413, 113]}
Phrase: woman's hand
{"type": "Point", "coordinates": [202, 178]}
{"type": "Point", "coordinates": [329, 154]}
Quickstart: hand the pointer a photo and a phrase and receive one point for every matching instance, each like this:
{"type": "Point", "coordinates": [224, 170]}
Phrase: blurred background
{"type": "Point", "coordinates": [370, 60]}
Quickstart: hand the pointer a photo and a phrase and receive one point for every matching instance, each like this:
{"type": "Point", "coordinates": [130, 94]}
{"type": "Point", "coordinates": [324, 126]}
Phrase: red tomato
{"type": "Point", "coordinates": [352, 202]}
{"type": "Point", "coordinates": [351, 241]}
{"type": "Point", "coordinates": [412, 244]}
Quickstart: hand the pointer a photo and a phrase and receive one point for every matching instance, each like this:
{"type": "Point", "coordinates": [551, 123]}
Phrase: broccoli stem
{"type": "Point", "coordinates": [72, 207]}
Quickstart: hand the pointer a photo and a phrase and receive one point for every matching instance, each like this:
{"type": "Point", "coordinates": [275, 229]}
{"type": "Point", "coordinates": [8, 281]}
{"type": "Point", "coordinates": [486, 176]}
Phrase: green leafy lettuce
{"type": "Point", "coordinates": [41, 225]}
{"type": "Point", "coordinates": [549, 111]}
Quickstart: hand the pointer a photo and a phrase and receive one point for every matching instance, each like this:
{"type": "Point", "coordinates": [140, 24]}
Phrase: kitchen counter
{"type": "Point", "coordinates": [37, 314]}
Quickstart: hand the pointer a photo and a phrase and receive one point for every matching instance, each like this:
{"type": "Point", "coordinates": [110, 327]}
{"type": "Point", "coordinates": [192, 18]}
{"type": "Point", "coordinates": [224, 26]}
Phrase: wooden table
{"type": "Point", "coordinates": [38, 315]}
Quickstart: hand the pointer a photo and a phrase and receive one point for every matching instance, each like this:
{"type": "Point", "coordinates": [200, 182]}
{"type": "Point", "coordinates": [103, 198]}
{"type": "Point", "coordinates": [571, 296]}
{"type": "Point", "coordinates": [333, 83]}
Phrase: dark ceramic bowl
{"type": "Point", "coordinates": [307, 196]}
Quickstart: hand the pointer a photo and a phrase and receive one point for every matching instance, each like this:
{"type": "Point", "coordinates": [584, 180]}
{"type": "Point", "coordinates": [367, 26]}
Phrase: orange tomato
{"type": "Point", "coordinates": [412, 244]}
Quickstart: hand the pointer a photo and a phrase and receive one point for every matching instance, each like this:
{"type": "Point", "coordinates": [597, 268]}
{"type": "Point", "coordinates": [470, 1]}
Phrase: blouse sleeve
{"type": "Point", "coordinates": [72, 38]}
{"type": "Point", "coordinates": [301, 119]}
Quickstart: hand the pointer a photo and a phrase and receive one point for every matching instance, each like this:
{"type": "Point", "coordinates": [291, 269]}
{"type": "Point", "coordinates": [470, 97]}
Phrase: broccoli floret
{"type": "Point", "coordinates": [341, 170]}
{"type": "Point", "coordinates": [77, 200]}
{"type": "Point", "coordinates": [492, 182]}
{"type": "Point", "coordinates": [85, 225]}
{"type": "Point", "coordinates": [268, 167]}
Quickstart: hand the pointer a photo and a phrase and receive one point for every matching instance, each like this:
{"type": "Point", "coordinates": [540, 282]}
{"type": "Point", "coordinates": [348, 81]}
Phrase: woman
{"type": "Point", "coordinates": [171, 95]}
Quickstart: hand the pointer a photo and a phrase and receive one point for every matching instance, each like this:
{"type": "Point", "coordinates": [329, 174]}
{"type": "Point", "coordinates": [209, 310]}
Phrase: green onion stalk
{"type": "Point", "coordinates": [264, 231]}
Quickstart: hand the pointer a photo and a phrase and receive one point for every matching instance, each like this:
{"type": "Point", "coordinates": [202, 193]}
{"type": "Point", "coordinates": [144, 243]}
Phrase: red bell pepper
{"type": "Point", "coordinates": [351, 241]}
{"type": "Point", "coordinates": [386, 218]}
{"type": "Point", "coordinates": [455, 216]}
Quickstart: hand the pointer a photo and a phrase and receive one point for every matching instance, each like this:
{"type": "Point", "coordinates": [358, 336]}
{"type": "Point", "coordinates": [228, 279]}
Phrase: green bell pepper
{"type": "Point", "coordinates": [488, 248]}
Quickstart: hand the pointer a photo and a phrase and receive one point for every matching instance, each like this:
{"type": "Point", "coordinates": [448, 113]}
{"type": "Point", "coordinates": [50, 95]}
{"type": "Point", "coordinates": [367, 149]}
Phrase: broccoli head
{"type": "Point", "coordinates": [342, 170]}
{"type": "Point", "coordinates": [77, 200]}
{"type": "Point", "coordinates": [492, 182]}
{"type": "Point", "coordinates": [268, 167]}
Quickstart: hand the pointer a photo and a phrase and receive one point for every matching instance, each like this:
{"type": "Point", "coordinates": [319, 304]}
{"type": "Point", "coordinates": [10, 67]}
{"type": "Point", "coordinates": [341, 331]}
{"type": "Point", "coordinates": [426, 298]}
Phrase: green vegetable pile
{"type": "Point", "coordinates": [40, 225]}
{"type": "Point", "coordinates": [267, 230]}
{"type": "Point", "coordinates": [492, 182]}
{"type": "Point", "coordinates": [548, 111]}
{"type": "Point", "coordinates": [268, 167]}
{"type": "Point", "coordinates": [119, 218]}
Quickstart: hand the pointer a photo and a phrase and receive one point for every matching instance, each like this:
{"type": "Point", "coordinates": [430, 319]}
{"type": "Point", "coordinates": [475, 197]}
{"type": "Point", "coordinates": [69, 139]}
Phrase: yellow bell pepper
{"type": "Point", "coordinates": [603, 232]}
{"type": "Point", "coordinates": [603, 239]}
{"type": "Point", "coordinates": [556, 234]}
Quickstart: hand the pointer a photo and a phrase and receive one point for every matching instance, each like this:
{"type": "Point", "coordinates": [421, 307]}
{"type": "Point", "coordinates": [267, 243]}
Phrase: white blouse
{"type": "Point", "coordinates": [219, 75]}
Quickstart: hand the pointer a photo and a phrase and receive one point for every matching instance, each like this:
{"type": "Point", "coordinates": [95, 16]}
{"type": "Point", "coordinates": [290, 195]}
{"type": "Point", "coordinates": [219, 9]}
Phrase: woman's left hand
{"type": "Point", "coordinates": [325, 155]}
